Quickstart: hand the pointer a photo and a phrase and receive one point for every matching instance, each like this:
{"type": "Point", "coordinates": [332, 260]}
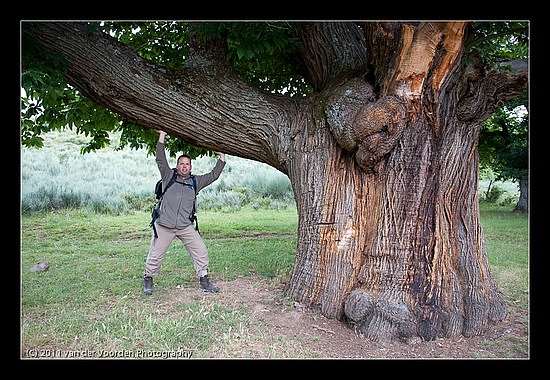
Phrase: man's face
{"type": "Point", "coordinates": [184, 166]}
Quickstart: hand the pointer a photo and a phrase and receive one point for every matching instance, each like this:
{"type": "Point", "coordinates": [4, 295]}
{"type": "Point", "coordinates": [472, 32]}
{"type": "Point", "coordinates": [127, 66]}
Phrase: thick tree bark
{"type": "Point", "coordinates": [382, 160]}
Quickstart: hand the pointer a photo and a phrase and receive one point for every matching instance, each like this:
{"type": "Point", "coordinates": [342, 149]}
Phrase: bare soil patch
{"type": "Point", "coordinates": [280, 328]}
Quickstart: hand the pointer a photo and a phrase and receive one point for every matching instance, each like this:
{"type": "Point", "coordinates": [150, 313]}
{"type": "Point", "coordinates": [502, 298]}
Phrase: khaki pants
{"type": "Point", "coordinates": [191, 240]}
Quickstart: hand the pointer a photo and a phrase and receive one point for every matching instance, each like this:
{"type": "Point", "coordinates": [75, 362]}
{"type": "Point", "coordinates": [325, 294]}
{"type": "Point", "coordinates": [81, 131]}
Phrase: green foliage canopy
{"type": "Point", "coordinates": [504, 142]}
{"type": "Point", "coordinates": [504, 138]}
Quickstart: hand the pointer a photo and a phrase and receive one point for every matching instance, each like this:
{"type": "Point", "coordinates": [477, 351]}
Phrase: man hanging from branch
{"type": "Point", "coordinates": [175, 218]}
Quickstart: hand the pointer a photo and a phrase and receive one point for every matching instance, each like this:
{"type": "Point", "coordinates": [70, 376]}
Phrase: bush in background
{"type": "Point", "coordinates": [58, 177]}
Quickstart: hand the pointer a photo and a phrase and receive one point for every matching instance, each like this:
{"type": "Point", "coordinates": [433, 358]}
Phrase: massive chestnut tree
{"type": "Point", "coordinates": [381, 154]}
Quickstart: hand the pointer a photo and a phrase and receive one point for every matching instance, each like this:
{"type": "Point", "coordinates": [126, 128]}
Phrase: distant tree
{"type": "Point", "coordinates": [504, 146]}
{"type": "Point", "coordinates": [375, 123]}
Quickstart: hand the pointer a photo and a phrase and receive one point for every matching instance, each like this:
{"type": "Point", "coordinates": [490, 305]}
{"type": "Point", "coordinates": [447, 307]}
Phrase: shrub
{"type": "Point", "coordinates": [226, 200]}
{"type": "Point", "coordinates": [493, 194]}
{"type": "Point", "coordinates": [109, 181]}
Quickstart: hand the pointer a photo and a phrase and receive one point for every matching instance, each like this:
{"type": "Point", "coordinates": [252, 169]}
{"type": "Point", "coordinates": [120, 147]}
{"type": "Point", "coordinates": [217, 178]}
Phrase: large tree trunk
{"type": "Point", "coordinates": [397, 251]}
{"type": "Point", "coordinates": [382, 159]}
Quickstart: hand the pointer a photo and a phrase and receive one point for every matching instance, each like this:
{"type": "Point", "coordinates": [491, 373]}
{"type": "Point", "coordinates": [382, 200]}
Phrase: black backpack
{"type": "Point", "coordinates": [158, 186]}
{"type": "Point", "coordinates": [159, 193]}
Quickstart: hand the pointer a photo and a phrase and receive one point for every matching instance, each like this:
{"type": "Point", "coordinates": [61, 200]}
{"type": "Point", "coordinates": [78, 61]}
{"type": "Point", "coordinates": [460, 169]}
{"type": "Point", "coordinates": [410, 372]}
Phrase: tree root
{"type": "Point", "coordinates": [379, 319]}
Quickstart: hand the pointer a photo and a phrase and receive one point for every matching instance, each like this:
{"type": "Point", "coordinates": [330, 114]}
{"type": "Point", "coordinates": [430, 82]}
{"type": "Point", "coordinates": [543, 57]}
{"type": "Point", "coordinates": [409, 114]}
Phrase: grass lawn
{"type": "Point", "coordinates": [91, 297]}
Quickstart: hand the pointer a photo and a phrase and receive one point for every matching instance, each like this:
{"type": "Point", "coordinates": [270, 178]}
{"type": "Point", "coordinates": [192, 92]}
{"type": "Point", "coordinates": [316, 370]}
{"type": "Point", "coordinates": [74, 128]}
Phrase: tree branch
{"type": "Point", "coordinates": [206, 103]}
{"type": "Point", "coordinates": [332, 50]}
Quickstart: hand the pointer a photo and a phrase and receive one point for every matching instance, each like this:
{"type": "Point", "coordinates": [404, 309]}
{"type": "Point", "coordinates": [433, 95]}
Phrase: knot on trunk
{"type": "Point", "coordinates": [378, 128]}
{"type": "Point", "coordinates": [378, 319]}
{"type": "Point", "coordinates": [343, 105]}
{"type": "Point", "coordinates": [359, 123]}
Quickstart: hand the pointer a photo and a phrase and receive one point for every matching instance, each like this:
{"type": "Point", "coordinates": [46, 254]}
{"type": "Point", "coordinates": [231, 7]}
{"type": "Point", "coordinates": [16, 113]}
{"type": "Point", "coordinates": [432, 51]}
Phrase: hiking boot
{"type": "Point", "coordinates": [207, 286]}
{"type": "Point", "coordinates": [148, 285]}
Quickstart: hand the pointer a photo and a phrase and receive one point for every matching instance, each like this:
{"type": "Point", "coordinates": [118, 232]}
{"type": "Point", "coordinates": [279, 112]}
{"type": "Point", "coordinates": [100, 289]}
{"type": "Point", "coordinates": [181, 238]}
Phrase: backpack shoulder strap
{"type": "Point", "coordinates": [194, 183]}
{"type": "Point", "coordinates": [172, 180]}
